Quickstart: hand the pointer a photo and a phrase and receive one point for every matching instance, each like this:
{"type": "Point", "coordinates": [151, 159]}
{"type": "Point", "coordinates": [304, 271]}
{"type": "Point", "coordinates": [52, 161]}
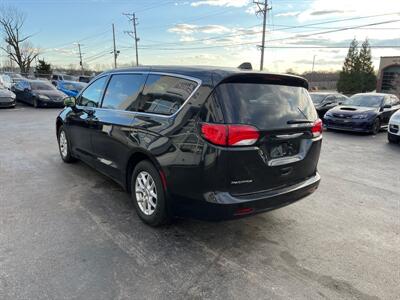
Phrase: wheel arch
{"type": "Point", "coordinates": [133, 160]}
{"type": "Point", "coordinates": [59, 123]}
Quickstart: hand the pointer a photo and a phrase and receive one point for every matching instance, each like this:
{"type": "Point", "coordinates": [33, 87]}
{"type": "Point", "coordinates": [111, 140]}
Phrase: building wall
{"type": "Point", "coordinates": [391, 63]}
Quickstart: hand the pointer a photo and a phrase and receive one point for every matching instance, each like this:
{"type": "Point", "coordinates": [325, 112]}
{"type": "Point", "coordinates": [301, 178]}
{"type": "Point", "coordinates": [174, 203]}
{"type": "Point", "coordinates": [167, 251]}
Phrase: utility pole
{"type": "Point", "coordinates": [313, 63]}
{"type": "Point", "coordinates": [115, 49]}
{"type": "Point", "coordinates": [80, 58]}
{"type": "Point", "coordinates": [263, 9]}
{"type": "Point", "coordinates": [133, 19]}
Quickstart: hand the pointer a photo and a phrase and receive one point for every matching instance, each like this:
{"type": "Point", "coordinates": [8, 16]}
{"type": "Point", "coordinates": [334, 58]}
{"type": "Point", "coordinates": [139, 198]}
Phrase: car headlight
{"type": "Point", "coordinates": [43, 97]}
{"type": "Point", "coordinates": [360, 116]}
{"type": "Point", "coordinates": [395, 118]}
{"type": "Point", "coordinates": [328, 114]}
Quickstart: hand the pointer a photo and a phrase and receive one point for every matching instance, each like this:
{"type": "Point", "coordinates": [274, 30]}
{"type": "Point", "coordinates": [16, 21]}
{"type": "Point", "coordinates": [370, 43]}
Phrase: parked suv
{"type": "Point", "coordinates": [200, 142]}
{"type": "Point", "coordinates": [56, 78]}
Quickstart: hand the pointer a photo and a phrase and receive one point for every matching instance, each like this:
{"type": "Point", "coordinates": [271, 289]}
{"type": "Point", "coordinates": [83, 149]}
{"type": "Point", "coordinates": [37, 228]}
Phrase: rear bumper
{"type": "Point", "coordinates": [363, 125]}
{"type": "Point", "coordinates": [218, 206]}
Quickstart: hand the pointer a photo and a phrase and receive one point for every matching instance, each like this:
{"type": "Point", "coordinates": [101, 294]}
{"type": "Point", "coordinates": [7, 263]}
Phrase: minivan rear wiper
{"type": "Point", "coordinates": [299, 121]}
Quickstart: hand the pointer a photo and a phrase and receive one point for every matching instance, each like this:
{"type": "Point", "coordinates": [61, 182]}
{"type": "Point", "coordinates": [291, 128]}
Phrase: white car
{"type": "Point", "coordinates": [7, 98]}
{"type": "Point", "coordinates": [394, 128]}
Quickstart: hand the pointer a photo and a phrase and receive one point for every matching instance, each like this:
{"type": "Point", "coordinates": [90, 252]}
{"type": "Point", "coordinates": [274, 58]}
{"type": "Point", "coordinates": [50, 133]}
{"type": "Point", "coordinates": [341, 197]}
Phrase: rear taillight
{"type": "Point", "coordinates": [230, 135]}
{"type": "Point", "coordinates": [317, 128]}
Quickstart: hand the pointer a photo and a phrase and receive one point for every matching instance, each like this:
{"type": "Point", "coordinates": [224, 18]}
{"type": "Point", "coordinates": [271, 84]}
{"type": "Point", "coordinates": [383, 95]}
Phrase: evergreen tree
{"type": "Point", "coordinates": [348, 78]}
{"type": "Point", "coordinates": [43, 68]}
{"type": "Point", "coordinates": [357, 74]}
{"type": "Point", "coordinates": [367, 75]}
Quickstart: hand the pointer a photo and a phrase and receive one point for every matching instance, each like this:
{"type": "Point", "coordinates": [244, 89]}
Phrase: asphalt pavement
{"type": "Point", "coordinates": [68, 232]}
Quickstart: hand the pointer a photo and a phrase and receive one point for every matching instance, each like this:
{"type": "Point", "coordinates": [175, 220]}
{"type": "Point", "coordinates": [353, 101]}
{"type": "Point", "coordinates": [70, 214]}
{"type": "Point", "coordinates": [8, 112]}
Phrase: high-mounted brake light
{"type": "Point", "coordinates": [317, 128]}
{"type": "Point", "coordinates": [230, 135]}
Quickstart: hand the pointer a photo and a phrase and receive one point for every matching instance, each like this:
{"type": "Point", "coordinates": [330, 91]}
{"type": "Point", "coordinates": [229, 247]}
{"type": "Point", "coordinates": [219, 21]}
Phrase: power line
{"type": "Point", "coordinates": [280, 39]}
{"type": "Point", "coordinates": [99, 55]}
{"type": "Point", "coordinates": [288, 27]}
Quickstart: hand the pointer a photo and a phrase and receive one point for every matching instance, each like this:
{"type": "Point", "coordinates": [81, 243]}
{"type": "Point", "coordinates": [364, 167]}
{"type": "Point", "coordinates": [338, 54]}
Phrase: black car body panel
{"type": "Point", "coordinates": [361, 118]}
{"type": "Point", "coordinates": [324, 101]}
{"type": "Point", "coordinates": [202, 180]}
{"type": "Point", "coordinates": [40, 92]}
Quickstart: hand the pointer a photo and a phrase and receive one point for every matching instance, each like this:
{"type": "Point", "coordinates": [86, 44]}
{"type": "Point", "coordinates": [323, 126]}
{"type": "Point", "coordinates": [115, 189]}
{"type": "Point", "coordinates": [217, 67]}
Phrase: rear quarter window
{"type": "Point", "coordinates": [266, 106]}
{"type": "Point", "coordinates": [164, 94]}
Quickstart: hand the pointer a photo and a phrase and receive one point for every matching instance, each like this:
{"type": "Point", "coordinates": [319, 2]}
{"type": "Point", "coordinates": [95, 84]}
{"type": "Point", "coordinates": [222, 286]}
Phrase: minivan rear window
{"type": "Point", "coordinates": [266, 106]}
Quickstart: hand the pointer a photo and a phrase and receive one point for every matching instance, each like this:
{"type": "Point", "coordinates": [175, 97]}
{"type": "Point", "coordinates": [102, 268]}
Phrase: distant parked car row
{"type": "Point", "coordinates": [38, 93]}
{"type": "Point", "coordinates": [56, 78]}
{"type": "Point", "coordinates": [366, 112]}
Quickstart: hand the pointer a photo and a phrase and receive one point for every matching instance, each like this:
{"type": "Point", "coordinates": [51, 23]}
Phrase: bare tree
{"type": "Point", "coordinates": [20, 49]}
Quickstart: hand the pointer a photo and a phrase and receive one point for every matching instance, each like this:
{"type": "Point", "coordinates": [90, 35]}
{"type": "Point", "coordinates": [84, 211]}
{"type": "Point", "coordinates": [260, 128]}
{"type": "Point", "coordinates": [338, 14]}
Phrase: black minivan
{"type": "Point", "coordinates": [202, 142]}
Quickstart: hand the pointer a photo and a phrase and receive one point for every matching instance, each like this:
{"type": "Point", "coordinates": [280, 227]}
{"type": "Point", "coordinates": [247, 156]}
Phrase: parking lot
{"type": "Point", "coordinates": [66, 231]}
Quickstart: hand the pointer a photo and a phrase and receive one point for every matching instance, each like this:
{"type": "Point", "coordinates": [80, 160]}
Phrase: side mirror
{"type": "Point", "coordinates": [386, 106]}
{"type": "Point", "coordinates": [70, 101]}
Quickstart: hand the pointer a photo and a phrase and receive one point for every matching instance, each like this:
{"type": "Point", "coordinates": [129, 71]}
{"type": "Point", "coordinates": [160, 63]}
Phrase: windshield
{"type": "Point", "coordinates": [74, 86]}
{"type": "Point", "coordinates": [41, 86]}
{"type": "Point", "coordinates": [317, 98]}
{"type": "Point", "coordinates": [364, 100]}
{"type": "Point", "coordinates": [265, 106]}
{"type": "Point", "coordinates": [6, 78]}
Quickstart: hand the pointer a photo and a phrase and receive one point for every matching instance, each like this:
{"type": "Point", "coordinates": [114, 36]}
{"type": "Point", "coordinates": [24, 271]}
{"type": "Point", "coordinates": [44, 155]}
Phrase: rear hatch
{"type": "Point", "coordinates": [280, 109]}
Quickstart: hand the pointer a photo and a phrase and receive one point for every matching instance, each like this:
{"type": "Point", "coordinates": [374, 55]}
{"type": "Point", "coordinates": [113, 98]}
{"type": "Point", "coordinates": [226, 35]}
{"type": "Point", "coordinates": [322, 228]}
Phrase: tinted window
{"type": "Point", "coordinates": [364, 100]}
{"type": "Point", "coordinates": [23, 85]}
{"type": "Point", "coordinates": [123, 90]}
{"type": "Point", "coordinates": [265, 106]}
{"type": "Point", "coordinates": [18, 85]}
{"type": "Point", "coordinates": [165, 94]}
{"type": "Point", "coordinates": [92, 95]}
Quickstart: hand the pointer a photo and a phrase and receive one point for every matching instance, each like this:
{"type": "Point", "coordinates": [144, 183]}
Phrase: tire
{"type": "Point", "coordinates": [392, 140]}
{"type": "Point", "coordinates": [64, 146]}
{"type": "Point", "coordinates": [148, 194]}
{"type": "Point", "coordinates": [376, 126]}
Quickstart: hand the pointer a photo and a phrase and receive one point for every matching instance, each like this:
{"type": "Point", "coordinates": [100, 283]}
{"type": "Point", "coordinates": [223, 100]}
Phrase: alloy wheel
{"type": "Point", "coordinates": [146, 193]}
{"type": "Point", "coordinates": [62, 140]}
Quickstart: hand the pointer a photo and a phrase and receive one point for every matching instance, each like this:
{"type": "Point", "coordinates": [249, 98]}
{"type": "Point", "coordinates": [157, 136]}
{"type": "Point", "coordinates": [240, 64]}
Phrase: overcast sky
{"type": "Point", "coordinates": [211, 32]}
